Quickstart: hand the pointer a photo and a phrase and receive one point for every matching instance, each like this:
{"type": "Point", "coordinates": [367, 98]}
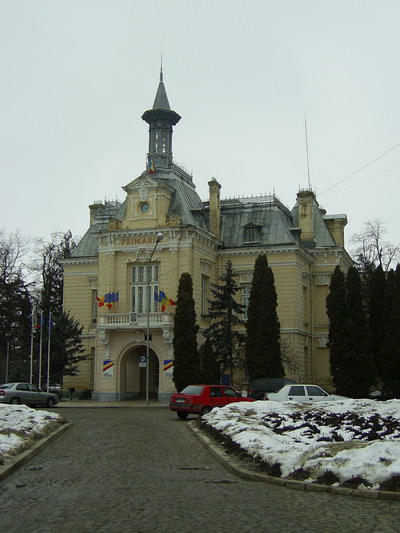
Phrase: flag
{"type": "Point", "coordinates": [100, 301]}
{"type": "Point", "coordinates": [41, 323]}
{"type": "Point", "coordinates": [150, 166]}
{"type": "Point", "coordinates": [165, 302]}
{"type": "Point", "coordinates": [156, 297]}
{"type": "Point", "coordinates": [111, 297]}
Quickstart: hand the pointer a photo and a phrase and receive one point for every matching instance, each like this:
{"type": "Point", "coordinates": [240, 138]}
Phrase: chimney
{"type": "Point", "coordinates": [215, 209]}
{"type": "Point", "coordinates": [95, 209]}
{"type": "Point", "coordinates": [305, 200]}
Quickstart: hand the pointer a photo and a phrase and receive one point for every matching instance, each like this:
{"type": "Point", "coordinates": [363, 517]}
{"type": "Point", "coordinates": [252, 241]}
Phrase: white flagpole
{"type": "Point", "coordinates": [32, 332]}
{"type": "Point", "coordinates": [48, 354]}
{"type": "Point", "coordinates": [40, 349]}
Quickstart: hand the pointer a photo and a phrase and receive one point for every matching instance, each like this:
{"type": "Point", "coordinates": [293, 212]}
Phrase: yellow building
{"type": "Point", "coordinates": [136, 249]}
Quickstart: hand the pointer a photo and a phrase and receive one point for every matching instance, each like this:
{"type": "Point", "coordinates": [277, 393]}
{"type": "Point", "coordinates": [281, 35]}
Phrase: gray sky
{"type": "Point", "coordinates": [76, 76]}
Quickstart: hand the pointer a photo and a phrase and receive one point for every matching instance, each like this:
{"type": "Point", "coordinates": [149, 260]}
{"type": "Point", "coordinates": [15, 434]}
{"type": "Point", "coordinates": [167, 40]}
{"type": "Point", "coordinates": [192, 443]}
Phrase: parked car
{"type": "Point", "coordinates": [200, 399]}
{"type": "Point", "coordinates": [259, 387]}
{"type": "Point", "coordinates": [16, 393]}
{"type": "Point", "coordinates": [302, 393]}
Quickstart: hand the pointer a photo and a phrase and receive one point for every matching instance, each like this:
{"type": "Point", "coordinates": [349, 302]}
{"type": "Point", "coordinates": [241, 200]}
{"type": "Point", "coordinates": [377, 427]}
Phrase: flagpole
{"type": "Point", "coordinates": [48, 353]}
{"type": "Point", "coordinates": [40, 350]}
{"type": "Point", "coordinates": [32, 332]}
{"type": "Point", "coordinates": [148, 298]}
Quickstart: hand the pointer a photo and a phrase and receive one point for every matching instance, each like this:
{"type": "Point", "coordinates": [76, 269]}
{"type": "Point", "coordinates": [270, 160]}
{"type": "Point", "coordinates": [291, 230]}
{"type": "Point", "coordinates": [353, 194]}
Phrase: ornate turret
{"type": "Point", "coordinates": [160, 119]}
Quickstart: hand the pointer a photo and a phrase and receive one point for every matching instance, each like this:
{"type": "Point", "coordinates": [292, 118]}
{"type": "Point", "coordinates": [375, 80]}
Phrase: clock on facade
{"type": "Point", "coordinates": [144, 207]}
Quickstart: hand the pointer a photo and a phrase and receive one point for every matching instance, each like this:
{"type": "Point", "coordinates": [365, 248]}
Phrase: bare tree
{"type": "Point", "coordinates": [372, 249]}
{"type": "Point", "coordinates": [13, 249]}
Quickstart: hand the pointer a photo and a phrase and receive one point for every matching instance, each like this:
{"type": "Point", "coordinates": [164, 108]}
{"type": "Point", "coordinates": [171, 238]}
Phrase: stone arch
{"type": "Point", "coordinates": [131, 379]}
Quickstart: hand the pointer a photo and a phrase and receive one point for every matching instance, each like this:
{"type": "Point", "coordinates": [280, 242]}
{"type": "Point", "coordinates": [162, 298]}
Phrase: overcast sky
{"type": "Point", "coordinates": [76, 76]}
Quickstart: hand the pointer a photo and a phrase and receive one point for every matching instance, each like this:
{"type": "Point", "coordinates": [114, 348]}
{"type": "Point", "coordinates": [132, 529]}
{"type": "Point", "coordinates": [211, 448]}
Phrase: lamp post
{"type": "Point", "coordinates": [159, 238]}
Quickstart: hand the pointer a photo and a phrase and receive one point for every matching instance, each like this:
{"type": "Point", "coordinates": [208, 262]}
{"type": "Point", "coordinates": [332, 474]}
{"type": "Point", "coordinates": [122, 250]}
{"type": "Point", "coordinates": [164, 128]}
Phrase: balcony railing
{"type": "Point", "coordinates": [134, 320]}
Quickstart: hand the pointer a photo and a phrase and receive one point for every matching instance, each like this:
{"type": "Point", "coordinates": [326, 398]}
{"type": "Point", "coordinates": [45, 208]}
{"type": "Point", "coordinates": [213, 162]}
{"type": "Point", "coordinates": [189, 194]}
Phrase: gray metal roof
{"type": "Point", "coordinates": [267, 214]}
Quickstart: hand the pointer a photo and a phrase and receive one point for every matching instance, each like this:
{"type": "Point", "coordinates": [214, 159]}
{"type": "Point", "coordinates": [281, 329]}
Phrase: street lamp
{"type": "Point", "coordinates": [159, 238]}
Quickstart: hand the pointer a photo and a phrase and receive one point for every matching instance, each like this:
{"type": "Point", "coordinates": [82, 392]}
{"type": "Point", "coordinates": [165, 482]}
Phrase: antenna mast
{"type": "Point", "coordinates": [308, 161]}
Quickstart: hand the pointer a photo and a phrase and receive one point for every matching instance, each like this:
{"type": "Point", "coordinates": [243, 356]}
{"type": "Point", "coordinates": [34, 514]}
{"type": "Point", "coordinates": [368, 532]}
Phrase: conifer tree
{"type": "Point", "coordinates": [262, 349]}
{"type": "Point", "coordinates": [390, 363]}
{"type": "Point", "coordinates": [224, 315]}
{"type": "Point", "coordinates": [338, 314]}
{"type": "Point", "coordinates": [210, 367]}
{"type": "Point", "coordinates": [66, 347]}
{"type": "Point", "coordinates": [15, 328]}
{"type": "Point", "coordinates": [186, 356]}
{"type": "Point", "coordinates": [15, 309]}
{"type": "Point", "coordinates": [376, 293]}
{"type": "Point", "coordinates": [65, 331]}
{"type": "Point", "coordinates": [358, 357]}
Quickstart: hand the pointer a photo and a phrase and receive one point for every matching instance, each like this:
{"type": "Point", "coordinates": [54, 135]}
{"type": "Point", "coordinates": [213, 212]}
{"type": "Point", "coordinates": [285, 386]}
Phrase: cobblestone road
{"type": "Point", "coordinates": [140, 470]}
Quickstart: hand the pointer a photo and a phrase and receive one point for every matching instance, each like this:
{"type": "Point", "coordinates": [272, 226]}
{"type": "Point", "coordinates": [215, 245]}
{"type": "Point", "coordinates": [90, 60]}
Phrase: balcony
{"type": "Point", "coordinates": [134, 320]}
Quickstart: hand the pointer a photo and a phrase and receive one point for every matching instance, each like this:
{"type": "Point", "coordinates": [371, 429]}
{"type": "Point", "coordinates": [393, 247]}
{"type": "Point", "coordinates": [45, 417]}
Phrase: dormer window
{"type": "Point", "coordinates": [251, 234]}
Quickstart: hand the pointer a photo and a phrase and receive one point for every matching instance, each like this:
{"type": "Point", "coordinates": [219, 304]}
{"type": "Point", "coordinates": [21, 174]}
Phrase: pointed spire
{"type": "Point", "coordinates": [161, 99]}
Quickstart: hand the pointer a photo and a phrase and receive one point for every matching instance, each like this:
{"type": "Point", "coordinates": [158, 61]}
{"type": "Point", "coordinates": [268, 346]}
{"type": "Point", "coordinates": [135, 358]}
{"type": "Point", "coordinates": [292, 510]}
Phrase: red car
{"type": "Point", "coordinates": [200, 399]}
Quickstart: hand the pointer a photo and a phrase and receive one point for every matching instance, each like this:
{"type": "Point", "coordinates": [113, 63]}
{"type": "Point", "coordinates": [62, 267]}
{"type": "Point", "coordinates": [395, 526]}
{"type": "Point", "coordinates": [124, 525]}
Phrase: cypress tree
{"type": "Point", "coordinates": [358, 357]}
{"type": "Point", "coordinates": [210, 367]}
{"type": "Point", "coordinates": [337, 311]}
{"type": "Point", "coordinates": [262, 348]}
{"type": "Point", "coordinates": [186, 356]}
{"type": "Point", "coordinates": [376, 290]}
{"type": "Point", "coordinates": [223, 312]}
{"type": "Point", "coordinates": [390, 362]}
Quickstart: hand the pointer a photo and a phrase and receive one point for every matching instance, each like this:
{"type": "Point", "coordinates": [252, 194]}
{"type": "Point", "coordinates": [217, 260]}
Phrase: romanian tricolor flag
{"type": "Point", "coordinates": [165, 302]}
{"type": "Point", "coordinates": [150, 166]}
{"type": "Point", "coordinates": [102, 301]}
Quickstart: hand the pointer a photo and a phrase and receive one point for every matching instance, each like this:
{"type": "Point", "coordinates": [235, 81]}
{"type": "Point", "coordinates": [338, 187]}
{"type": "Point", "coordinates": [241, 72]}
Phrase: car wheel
{"type": "Point", "coordinates": [15, 401]}
{"type": "Point", "coordinates": [205, 410]}
{"type": "Point", "coordinates": [182, 416]}
{"type": "Point", "coordinates": [50, 402]}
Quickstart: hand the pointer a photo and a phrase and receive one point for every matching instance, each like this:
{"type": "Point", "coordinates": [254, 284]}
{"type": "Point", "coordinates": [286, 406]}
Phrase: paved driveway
{"type": "Point", "coordinates": [138, 470]}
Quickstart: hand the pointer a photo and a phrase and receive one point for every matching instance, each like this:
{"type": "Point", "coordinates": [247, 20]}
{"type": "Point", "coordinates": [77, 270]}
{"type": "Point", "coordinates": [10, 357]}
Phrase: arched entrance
{"type": "Point", "coordinates": [133, 375]}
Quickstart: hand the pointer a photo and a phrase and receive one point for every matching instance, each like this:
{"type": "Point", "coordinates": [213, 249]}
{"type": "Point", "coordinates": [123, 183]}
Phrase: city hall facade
{"type": "Point", "coordinates": [136, 250]}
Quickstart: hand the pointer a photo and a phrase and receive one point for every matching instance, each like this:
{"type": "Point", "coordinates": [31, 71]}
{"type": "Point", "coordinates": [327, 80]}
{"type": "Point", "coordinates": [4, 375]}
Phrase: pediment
{"type": "Point", "coordinates": [144, 181]}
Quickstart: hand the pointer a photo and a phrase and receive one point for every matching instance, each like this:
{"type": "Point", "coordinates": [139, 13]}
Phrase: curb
{"type": "Point", "coordinates": [233, 465]}
{"type": "Point", "coordinates": [109, 405]}
{"type": "Point", "coordinates": [25, 456]}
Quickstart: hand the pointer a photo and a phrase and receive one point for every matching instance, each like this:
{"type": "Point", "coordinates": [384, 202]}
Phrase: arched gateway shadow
{"type": "Point", "coordinates": [133, 374]}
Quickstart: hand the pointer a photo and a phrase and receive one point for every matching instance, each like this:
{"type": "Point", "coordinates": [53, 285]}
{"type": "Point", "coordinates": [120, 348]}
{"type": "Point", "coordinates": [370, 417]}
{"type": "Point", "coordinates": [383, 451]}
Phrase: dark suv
{"type": "Point", "coordinates": [260, 386]}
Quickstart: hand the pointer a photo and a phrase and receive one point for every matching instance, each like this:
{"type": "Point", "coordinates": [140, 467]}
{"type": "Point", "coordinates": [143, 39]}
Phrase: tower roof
{"type": "Point", "coordinates": [161, 99]}
{"type": "Point", "coordinates": [161, 109]}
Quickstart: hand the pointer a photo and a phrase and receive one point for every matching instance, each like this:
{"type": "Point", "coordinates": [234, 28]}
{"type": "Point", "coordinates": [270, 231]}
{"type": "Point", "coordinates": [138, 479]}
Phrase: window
{"type": "Point", "coordinates": [245, 299]}
{"type": "Point", "coordinates": [205, 282]}
{"type": "Point", "coordinates": [297, 390]}
{"type": "Point", "coordinates": [95, 304]}
{"type": "Point", "coordinates": [315, 391]}
{"type": "Point", "coordinates": [252, 233]}
{"type": "Point", "coordinates": [144, 285]}
{"type": "Point", "coordinates": [215, 392]}
{"type": "Point", "coordinates": [230, 392]}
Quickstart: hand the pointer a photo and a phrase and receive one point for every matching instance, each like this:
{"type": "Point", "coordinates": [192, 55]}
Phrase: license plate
{"type": "Point", "coordinates": [180, 400]}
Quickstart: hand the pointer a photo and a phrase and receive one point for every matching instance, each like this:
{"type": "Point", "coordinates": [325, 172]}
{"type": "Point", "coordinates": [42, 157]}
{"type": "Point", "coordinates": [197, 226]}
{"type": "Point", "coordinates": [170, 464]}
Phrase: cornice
{"type": "Point", "coordinates": [80, 261]}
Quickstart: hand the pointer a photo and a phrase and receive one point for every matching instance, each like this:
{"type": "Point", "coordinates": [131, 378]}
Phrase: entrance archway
{"type": "Point", "coordinates": [133, 376]}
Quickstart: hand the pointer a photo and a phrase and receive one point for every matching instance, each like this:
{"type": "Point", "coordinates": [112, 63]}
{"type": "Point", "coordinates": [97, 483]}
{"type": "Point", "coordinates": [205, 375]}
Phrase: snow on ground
{"type": "Point", "coordinates": [350, 439]}
{"type": "Point", "coordinates": [356, 440]}
{"type": "Point", "coordinates": [21, 426]}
